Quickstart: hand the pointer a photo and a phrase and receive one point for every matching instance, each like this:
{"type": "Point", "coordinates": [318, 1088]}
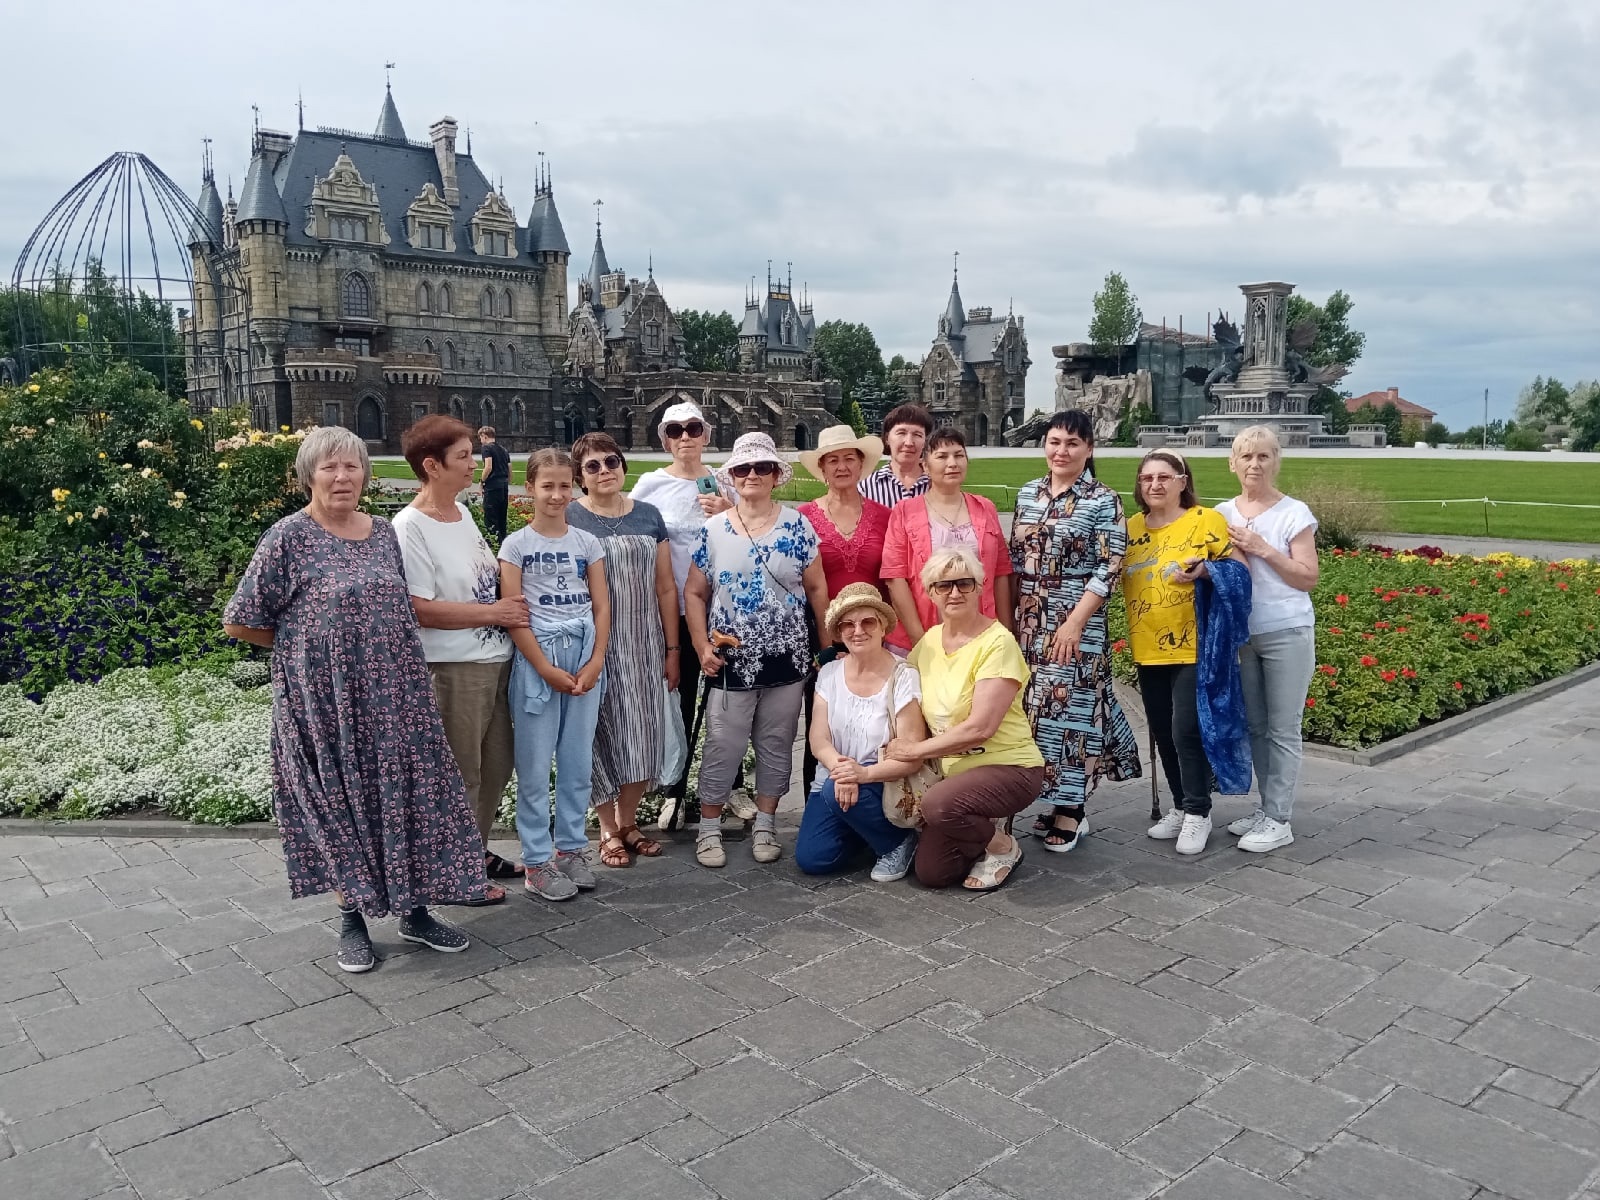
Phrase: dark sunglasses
{"type": "Point", "coordinates": [595, 465]}
{"type": "Point", "coordinates": [760, 468]}
{"type": "Point", "coordinates": [943, 587]}
{"type": "Point", "coordinates": [690, 429]}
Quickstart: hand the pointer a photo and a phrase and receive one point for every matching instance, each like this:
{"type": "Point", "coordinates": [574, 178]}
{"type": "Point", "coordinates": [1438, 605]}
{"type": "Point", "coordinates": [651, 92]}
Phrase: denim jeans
{"type": "Point", "coordinates": [830, 836]}
{"type": "Point", "coordinates": [1170, 707]}
{"type": "Point", "coordinates": [561, 733]}
{"type": "Point", "coordinates": [1275, 671]}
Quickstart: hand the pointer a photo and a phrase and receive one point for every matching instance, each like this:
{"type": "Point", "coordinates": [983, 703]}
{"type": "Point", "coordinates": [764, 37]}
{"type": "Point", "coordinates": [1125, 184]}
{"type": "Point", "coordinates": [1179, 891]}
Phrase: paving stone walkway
{"type": "Point", "coordinates": [1405, 1003]}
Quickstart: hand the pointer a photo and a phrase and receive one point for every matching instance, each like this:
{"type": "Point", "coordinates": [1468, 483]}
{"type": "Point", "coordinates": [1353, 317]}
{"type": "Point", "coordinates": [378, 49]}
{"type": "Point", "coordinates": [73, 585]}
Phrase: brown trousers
{"type": "Point", "coordinates": [477, 723]}
{"type": "Point", "coordinates": [959, 813]}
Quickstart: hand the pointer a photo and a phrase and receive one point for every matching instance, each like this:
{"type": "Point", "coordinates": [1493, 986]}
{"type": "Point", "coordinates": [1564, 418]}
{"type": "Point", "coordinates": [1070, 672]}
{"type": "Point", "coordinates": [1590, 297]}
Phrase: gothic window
{"type": "Point", "coordinates": [347, 229]}
{"type": "Point", "coordinates": [418, 411]}
{"type": "Point", "coordinates": [427, 346]}
{"type": "Point", "coordinates": [486, 411]}
{"type": "Point", "coordinates": [507, 308]}
{"type": "Point", "coordinates": [458, 410]}
{"type": "Point", "coordinates": [788, 329]}
{"type": "Point", "coordinates": [451, 362]}
{"type": "Point", "coordinates": [424, 297]}
{"type": "Point", "coordinates": [331, 414]}
{"type": "Point", "coordinates": [519, 415]}
{"type": "Point", "coordinates": [494, 358]}
{"type": "Point", "coordinates": [1013, 357]}
{"type": "Point", "coordinates": [486, 303]}
{"type": "Point", "coordinates": [444, 298]}
{"type": "Point", "coordinates": [939, 391]}
{"type": "Point", "coordinates": [652, 337]}
{"type": "Point", "coordinates": [496, 243]}
{"type": "Point", "coordinates": [355, 297]}
{"type": "Point", "coordinates": [360, 346]}
{"type": "Point", "coordinates": [511, 359]}
{"type": "Point", "coordinates": [430, 236]}
{"type": "Point", "coordinates": [1011, 390]}
{"type": "Point", "coordinates": [369, 420]}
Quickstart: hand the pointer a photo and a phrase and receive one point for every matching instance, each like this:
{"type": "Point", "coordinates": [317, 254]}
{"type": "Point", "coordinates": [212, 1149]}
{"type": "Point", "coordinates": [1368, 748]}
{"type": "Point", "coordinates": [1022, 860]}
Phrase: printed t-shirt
{"type": "Point", "coordinates": [1274, 604]}
{"type": "Point", "coordinates": [450, 561]}
{"type": "Point", "coordinates": [948, 680]}
{"type": "Point", "coordinates": [555, 573]}
{"type": "Point", "coordinates": [1161, 622]}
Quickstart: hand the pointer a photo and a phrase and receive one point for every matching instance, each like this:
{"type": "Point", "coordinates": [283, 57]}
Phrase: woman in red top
{"type": "Point", "coordinates": [945, 516]}
{"type": "Point", "coordinates": [850, 528]}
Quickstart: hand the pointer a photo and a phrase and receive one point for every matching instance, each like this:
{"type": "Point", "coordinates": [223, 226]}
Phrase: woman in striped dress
{"type": "Point", "coordinates": [630, 741]}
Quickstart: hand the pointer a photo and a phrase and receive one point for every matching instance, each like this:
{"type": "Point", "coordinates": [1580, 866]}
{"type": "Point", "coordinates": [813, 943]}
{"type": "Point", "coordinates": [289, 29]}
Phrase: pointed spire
{"type": "Point", "coordinates": [598, 266]}
{"type": "Point", "coordinates": [389, 125]}
{"type": "Point", "coordinates": [650, 269]}
{"type": "Point", "coordinates": [300, 107]}
{"type": "Point", "coordinates": [207, 225]}
{"type": "Point", "coordinates": [955, 316]}
{"type": "Point", "coordinates": [260, 200]}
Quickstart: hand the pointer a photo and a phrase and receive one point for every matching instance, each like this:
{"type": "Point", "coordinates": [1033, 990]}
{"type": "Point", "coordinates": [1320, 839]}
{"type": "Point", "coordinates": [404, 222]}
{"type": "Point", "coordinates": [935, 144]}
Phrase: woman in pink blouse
{"type": "Point", "coordinates": [946, 516]}
{"type": "Point", "coordinates": [850, 528]}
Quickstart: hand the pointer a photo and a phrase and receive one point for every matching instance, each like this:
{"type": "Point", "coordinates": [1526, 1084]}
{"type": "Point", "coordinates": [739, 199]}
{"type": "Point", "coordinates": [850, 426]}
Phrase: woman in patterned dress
{"type": "Point", "coordinates": [369, 802]}
{"type": "Point", "coordinates": [1067, 541]}
{"type": "Point", "coordinates": [630, 740]}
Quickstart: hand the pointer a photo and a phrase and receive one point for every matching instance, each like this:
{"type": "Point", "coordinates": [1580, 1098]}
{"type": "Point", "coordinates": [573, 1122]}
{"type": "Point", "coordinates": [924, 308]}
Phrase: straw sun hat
{"type": "Point", "coordinates": [754, 448]}
{"type": "Point", "coordinates": [855, 596]}
{"type": "Point", "coordinates": [841, 437]}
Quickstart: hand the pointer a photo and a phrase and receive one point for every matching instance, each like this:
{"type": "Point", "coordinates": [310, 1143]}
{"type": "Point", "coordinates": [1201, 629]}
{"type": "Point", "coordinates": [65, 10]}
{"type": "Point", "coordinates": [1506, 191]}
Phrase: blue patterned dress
{"type": "Point", "coordinates": [758, 595]}
{"type": "Point", "coordinates": [1062, 546]}
{"type": "Point", "coordinates": [364, 787]}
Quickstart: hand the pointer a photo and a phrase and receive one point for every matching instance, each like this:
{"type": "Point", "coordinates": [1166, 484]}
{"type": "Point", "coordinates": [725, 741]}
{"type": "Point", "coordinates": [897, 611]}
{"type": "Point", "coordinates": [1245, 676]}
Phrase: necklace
{"type": "Point", "coordinates": [611, 522]}
{"type": "Point", "coordinates": [961, 511]}
{"type": "Point", "coordinates": [755, 526]}
{"type": "Point", "coordinates": [828, 505]}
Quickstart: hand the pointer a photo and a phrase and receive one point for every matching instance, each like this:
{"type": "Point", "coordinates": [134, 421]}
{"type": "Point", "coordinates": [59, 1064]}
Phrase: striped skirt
{"type": "Point", "coordinates": [630, 741]}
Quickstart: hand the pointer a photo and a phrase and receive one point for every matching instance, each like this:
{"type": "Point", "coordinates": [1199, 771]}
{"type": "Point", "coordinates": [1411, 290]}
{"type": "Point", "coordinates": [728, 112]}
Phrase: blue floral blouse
{"type": "Point", "coordinates": [757, 595]}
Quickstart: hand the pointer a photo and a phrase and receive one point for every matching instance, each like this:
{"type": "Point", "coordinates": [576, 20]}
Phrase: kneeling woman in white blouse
{"type": "Point", "coordinates": [844, 813]}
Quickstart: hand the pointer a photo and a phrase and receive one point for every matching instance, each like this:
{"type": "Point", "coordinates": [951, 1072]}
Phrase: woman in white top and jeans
{"type": "Point", "coordinates": [1277, 534]}
{"type": "Point", "coordinates": [850, 724]}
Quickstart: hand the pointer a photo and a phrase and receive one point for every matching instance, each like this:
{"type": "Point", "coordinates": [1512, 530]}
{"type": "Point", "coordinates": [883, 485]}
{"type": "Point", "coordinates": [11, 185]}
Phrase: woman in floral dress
{"type": "Point", "coordinates": [369, 802]}
{"type": "Point", "coordinates": [1067, 541]}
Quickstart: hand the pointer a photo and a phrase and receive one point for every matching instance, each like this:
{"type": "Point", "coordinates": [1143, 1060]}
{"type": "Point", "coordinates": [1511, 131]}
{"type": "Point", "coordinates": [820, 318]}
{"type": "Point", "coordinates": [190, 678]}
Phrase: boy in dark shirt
{"type": "Point", "coordinates": [496, 482]}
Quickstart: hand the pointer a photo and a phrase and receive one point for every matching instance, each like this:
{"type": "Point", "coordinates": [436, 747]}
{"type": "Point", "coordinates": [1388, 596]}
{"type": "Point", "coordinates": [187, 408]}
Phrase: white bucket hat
{"type": "Point", "coordinates": [841, 437]}
{"type": "Point", "coordinates": [754, 448]}
{"type": "Point", "coordinates": [681, 413]}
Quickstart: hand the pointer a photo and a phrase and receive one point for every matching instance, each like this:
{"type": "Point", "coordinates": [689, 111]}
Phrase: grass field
{"type": "Point", "coordinates": [1408, 479]}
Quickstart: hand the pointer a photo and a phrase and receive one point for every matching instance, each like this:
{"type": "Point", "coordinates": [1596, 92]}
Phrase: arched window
{"type": "Point", "coordinates": [507, 308]}
{"type": "Point", "coordinates": [486, 411]}
{"type": "Point", "coordinates": [519, 415]}
{"type": "Point", "coordinates": [451, 362]}
{"type": "Point", "coordinates": [511, 359]}
{"type": "Point", "coordinates": [493, 359]}
{"type": "Point", "coordinates": [369, 420]}
{"type": "Point", "coordinates": [427, 346]}
{"type": "Point", "coordinates": [424, 297]}
{"type": "Point", "coordinates": [355, 297]}
{"type": "Point", "coordinates": [444, 298]}
{"type": "Point", "coordinates": [486, 303]}
{"type": "Point", "coordinates": [458, 409]}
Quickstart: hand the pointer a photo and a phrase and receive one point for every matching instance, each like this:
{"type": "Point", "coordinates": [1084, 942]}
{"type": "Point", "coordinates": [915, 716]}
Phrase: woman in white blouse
{"type": "Point", "coordinates": [844, 813]}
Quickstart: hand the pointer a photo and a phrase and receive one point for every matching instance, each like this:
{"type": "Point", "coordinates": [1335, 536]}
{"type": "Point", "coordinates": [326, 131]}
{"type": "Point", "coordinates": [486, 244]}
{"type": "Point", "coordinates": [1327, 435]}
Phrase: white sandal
{"type": "Point", "coordinates": [987, 870]}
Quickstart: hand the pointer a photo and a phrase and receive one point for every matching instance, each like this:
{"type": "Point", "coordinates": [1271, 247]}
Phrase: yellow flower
{"type": "Point", "coordinates": [127, 466]}
{"type": "Point", "coordinates": [175, 503]}
{"type": "Point", "coordinates": [33, 389]}
{"type": "Point", "coordinates": [224, 465]}
{"type": "Point", "coordinates": [59, 494]}
{"type": "Point", "coordinates": [147, 472]}
{"type": "Point", "coordinates": [102, 454]}
{"type": "Point", "coordinates": [180, 495]}
{"type": "Point", "coordinates": [283, 429]}
{"type": "Point", "coordinates": [100, 510]}
{"type": "Point", "coordinates": [146, 444]}
{"type": "Point", "coordinates": [197, 423]}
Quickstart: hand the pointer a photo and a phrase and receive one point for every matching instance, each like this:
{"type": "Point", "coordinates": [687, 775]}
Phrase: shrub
{"type": "Point", "coordinates": [1345, 514]}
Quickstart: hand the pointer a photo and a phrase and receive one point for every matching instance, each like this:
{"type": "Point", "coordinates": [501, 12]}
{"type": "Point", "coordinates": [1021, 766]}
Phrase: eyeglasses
{"type": "Point", "coordinates": [1159, 480]}
{"type": "Point", "coordinates": [760, 468]}
{"type": "Point", "coordinates": [943, 587]}
{"type": "Point", "coordinates": [687, 429]}
{"type": "Point", "coordinates": [609, 463]}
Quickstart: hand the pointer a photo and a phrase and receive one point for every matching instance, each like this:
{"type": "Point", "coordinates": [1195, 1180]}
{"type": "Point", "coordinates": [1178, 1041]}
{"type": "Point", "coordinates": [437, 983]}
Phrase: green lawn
{"type": "Point", "coordinates": [1553, 482]}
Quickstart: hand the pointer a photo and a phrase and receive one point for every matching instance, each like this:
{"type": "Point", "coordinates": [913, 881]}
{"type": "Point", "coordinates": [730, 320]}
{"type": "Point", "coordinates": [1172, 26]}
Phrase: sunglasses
{"type": "Point", "coordinates": [943, 587]}
{"type": "Point", "coordinates": [760, 468]}
{"type": "Point", "coordinates": [688, 429]}
{"type": "Point", "coordinates": [595, 465]}
{"type": "Point", "coordinates": [1163, 480]}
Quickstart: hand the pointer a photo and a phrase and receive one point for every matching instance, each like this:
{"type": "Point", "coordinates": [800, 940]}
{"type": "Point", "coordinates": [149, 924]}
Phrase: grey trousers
{"type": "Point", "coordinates": [766, 718]}
{"type": "Point", "coordinates": [1275, 671]}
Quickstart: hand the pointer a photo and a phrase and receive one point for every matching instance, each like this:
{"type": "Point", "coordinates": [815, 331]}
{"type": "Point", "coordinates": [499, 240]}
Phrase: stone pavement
{"type": "Point", "coordinates": [1404, 1003]}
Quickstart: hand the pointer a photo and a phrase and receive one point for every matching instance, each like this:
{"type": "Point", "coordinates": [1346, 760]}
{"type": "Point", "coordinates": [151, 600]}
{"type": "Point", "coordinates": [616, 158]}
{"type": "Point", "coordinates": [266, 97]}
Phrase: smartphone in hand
{"type": "Point", "coordinates": [707, 485]}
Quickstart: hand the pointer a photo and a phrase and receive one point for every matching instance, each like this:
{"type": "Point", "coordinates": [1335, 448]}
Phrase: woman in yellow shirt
{"type": "Point", "coordinates": [972, 674]}
{"type": "Point", "coordinates": [1170, 540]}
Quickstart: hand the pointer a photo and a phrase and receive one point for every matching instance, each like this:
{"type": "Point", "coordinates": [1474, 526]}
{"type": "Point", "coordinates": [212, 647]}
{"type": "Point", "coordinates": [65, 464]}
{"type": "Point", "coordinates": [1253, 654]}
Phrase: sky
{"type": "Point", "coordinates": [1439, 161]}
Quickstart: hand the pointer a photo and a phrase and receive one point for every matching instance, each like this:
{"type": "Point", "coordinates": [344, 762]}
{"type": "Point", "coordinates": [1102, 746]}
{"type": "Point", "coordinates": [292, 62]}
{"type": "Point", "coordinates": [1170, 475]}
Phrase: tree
{"type": "Point", "coordinates": [1331, 405]}
{"type": "Point", "coordinates": [849, 353]}
{"type": "Point", "coordinates": [1544, 402]}
{"type": "Point", "coordinates": [1116, 317]}
{"type": "Point", "coordinates": [1524, 438]}
{"type": "Point", "coordinates": [1474, 436]}
{"type": "Point", "coordinates": [710, 340]}
{"type": "Point", "coordinates": [1336, 341]}
{"type": "Point", "coordinates": [1393, 423]}
{"type": "Point", "coordinates": [1436, 433]}
{"type": "Point", "coordinates": [1585, 418]}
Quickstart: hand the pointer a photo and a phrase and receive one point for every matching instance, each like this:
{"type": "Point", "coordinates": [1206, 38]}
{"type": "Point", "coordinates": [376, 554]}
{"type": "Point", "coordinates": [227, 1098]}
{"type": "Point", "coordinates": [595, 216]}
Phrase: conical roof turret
{"type": "Point", "coordinates": [955, 316]}
{"type": "Point", "coordinates": [389, 125]}
{"type": "Point", "coordinates": [597, 263]}
{"type": "Point", "coordinates": [207, 226]}
{"type": "Point", "coordinates": [260, 200]}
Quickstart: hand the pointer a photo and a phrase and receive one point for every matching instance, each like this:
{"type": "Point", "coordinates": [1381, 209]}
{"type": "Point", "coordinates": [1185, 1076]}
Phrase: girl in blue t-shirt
{"type": "Point", "coordinates": [557, 677]}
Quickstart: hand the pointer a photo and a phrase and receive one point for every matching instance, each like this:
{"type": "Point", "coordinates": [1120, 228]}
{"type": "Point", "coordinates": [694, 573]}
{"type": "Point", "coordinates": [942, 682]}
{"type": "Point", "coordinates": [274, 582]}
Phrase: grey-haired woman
{"type": "Point", "coordinates": [369, 803]}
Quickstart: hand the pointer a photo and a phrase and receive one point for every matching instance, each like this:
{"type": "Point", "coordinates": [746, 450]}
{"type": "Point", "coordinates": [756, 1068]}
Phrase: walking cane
{"type": "Point", "coordinates": [680, 808]}
{"type": "Point", "coordinates": [1155, 796]}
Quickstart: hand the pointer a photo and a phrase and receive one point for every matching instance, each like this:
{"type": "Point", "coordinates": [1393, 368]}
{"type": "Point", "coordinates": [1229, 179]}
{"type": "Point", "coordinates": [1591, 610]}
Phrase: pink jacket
{"type": "Point", "coordinates": [909, 544]}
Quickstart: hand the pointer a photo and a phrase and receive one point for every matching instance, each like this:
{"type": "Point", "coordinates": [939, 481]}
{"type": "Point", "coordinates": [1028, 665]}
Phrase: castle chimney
{"type": "Point", "coordinates": [1394, 394]}
{"type": "Point", "coordinates": [443, 133]}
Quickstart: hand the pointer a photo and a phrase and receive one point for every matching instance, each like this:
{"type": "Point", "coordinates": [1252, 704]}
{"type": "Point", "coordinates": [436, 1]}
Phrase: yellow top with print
{"type": "Point", "coordinates": [1161, 622]}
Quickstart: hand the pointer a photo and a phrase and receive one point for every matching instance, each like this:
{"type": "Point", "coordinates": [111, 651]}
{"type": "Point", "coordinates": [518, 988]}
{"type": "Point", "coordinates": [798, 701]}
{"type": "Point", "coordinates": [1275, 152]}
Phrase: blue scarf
{"type": "Point", "coordinates": [1222, 617]}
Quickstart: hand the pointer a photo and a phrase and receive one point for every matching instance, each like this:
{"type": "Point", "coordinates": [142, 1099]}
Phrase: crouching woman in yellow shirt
{"type": "Point", "coordinates": [972, 674]}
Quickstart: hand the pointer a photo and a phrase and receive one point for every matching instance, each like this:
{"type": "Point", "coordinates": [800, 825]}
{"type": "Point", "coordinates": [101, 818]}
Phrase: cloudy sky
{"type": "Point", "coordinates": [1435, 159]}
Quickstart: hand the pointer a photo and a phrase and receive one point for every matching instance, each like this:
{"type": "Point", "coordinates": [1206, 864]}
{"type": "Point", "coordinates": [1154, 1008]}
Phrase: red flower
{"type": "Point", "coordinates": [1561, 587]}
{"type": "Point", "coordinates": [1407, 673]}
{"type": "Point", "coordinates": [1472, 582]}
{"type": "Point", "coordinates": [1119, 644]}
{"type": "Point", "coordinates": [1380, 624]}
{"type": "Point", "coordinates": [1387, 676]}
{"type": "Point", "coordinates": [1499, 574]}
{"type": "Point", "coordinates": [1368, 661]}
{"type": "Point", "coordinates": [1403, 629]}
{"type": "Point", "coordinates": [1341, 599]}
{"type": "Point", "coordinates": [1328, 669]}
{"type": "Point", "coordinates": [1338, 553]}
{"type": "Point", "coordinates": [1335, 630]}
{"type": "Point", "coordinates": [1456, 685]}
{"type": "Point", "coordinates": [1310, 703]}
{"type": "Point", "coordinates": [1527, 612]}
{"type": "Point", "coordinates": [1470, 636]}
{"type": "Point", "coordinates": [1367, 637]}
{"type": "Point", "coordinates": [1503, 591]}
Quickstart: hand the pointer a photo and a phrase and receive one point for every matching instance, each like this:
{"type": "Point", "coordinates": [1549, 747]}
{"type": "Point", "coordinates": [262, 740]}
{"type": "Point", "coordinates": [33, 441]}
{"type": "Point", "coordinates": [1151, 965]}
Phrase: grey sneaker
{"type": "Point", "coordinates": [896, 864]}
{"type": "Point", "coordinates": [547, 882]}
{"type": "Point", "coordinates": [574, 864]}
{"type": "Point", "coordinates": [1246, 823]}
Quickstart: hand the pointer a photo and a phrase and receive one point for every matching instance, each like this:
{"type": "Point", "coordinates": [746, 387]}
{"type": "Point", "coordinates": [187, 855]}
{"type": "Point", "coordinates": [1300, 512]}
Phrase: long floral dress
{"type": "Point", "coordinates": [1061, 546]}
{"type": "Point", "coordinates": [364, 787]}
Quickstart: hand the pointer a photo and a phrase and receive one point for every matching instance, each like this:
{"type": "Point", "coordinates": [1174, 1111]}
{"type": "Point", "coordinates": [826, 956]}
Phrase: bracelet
{"type": "Point", "coordinates": [672, 649]}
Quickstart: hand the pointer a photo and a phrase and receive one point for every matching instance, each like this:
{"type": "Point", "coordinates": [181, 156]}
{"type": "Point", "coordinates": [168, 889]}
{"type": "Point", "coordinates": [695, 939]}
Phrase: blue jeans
{"type": "Point", "coordinates": [1275, 671]}
{"type": "Point", "coordinates": [831, 836]}
{"type": "Point", "coordinates": [562, 732]}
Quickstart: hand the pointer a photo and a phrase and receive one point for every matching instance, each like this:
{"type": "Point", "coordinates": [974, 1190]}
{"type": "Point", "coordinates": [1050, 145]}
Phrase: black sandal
{"type": "Point", "coordinates": [1058, 840]}
{"type": "Point", "coordinates": [496, 867]}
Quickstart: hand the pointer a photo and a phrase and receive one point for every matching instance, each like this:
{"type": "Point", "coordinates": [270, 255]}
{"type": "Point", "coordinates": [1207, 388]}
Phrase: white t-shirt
{"type": "Point", "coordinates": [859, 725]}
{"type": "Point", "coordinates": [679, 502]}
{"type": "Point", "coordinates": [555, 573]}
{"type": "Point", "coordinates": [449, 561]}
{"type": "Point", "coordinates": [1274, 605]}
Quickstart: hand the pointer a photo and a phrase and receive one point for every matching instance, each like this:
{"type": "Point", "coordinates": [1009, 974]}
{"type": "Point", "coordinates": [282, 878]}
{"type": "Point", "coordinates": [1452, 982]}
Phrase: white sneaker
{"type": "Point", "coordinates": [741, 805]}
{"type": "Point", "coordinates": [1268, 835]}
{"type": "Point", "coordinates": [1167, 828]}
{"type": "Point", "coordinates": [1192, 837]}
{"type": "Point", "coordinates": [1246, 823]}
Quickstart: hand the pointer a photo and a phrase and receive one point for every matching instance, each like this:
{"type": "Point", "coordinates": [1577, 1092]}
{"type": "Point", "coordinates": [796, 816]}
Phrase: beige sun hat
{"type": "Point", "coordinates": [842, 437]}
{"type": "Point", "coordinates": [851, 597]}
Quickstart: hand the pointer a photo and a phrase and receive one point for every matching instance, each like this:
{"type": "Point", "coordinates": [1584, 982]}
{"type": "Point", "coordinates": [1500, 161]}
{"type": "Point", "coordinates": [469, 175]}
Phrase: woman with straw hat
{"type": "Point", "coordinates": [856, 694]}
{"type": "Point", "coordinates": [850, 528]}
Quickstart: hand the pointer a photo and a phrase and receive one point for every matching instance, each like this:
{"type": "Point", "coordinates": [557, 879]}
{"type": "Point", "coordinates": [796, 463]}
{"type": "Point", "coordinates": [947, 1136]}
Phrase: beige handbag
{"type": "Point", "coordinates": [902, 798]}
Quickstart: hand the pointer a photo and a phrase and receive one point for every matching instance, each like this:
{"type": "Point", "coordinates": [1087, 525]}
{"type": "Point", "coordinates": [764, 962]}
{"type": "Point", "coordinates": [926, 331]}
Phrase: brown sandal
{"type": "Point", "coordinates": [638, 843]}
{"type": "Point", "coordinates": [614, 851]}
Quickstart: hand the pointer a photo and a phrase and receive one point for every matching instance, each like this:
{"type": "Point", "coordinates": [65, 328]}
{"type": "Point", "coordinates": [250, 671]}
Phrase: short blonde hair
{"type": "Point", "coordinates": [952, 560]}
{"type": "Point", "coordinates": [321, 444]}
{"type": "Point", "coordinates": [1256, 437]}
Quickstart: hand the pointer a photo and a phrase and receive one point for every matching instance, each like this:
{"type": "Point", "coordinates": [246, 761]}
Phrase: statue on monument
{"type": "Point", "coordinates": [1226, 335]}
{"type": "Point", "coordinates": [1302, 337]}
